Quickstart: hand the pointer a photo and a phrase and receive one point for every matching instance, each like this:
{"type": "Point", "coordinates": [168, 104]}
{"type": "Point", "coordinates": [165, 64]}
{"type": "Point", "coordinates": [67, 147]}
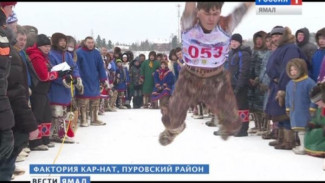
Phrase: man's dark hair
{"type": "Point", "coordinates": [160, 55]}
{"type": "Point", "coordinates": [178, 49]}
{"type": "Point", "coordinates": [171, 53]}
{"type": "Point", "coordinates": [88, 37]}
{"type": "Point", "coordinates": [142, 55]}
{"type": "Point", "coordinates": [207, 6]}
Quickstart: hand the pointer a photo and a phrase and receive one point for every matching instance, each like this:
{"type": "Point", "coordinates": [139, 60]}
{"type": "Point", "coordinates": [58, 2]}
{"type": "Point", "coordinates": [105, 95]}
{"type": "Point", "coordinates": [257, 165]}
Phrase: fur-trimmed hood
{"type": "Point", "coordinates": [300, 65]}
{"type": "Point", "coordinates": [260, 34]}
{"type": "Point", "coordinates": [287, 37]}
{"type": "Point", "coordinates": [305, 31]}
{"type": "Point", "coordinates": [56, 38]}
{"type": "Point", "coordinates": [320, 32]}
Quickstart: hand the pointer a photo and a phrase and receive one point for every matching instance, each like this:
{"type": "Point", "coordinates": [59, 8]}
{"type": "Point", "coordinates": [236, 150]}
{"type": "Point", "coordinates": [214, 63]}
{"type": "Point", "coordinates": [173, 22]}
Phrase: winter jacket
{"type": "Point", "coordinates": [163, 82]}
{"type": "Point", "coordinates": [307, 47]}
{"type": "Point", "coordinates": [147, 73]}
{"type": "Point", "coordinates": [18, 94]}
{"type": "Point", "coordinates": [6, 115]}
{"type": "Point", "coordinates": [317, 72]}
{"type": "Point", "coordinates": [276, 70]}
{"type": "Point", "coordinates": [122, 79]}
{"type": "Point", "coordinates": [135, 73]}
{"type": "Point", "coordinates": [238, 66]}
{"type": "Point", "coordinates": [92, 72]}
{"type": "Point", "coordinates": [42, 68]}
{"type": "Point", "coordinates": [314, 138]}
{"type": "Point", "coordinates": [297, 98]}
{"type": "Point", "coordinates": [59, 94]}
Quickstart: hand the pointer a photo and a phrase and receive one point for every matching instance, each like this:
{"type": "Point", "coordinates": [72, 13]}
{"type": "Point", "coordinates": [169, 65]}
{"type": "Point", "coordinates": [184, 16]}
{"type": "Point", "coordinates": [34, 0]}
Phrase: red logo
{"type": "Point", "coordinates": [296, 2]}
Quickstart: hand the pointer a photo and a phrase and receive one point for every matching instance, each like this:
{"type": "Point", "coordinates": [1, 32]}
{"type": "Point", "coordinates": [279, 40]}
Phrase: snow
{"type": "Point", "coordinates": [131, 137]}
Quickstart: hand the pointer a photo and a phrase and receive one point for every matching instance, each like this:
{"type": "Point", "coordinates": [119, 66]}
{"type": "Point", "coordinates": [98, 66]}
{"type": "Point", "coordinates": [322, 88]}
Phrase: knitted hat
{"type": "Point", "coordinates": [12, 18]}
{"type": "Point", "coordinates": [118, 60]}
{"type": "Point", "coordinates": [43, 40]}
{"type": "Point", "coordinates": [237, 37]}
{"type": "Point", "coordinates": [8, 3]}
{"type": "Point", "coordinates": [278, 30]}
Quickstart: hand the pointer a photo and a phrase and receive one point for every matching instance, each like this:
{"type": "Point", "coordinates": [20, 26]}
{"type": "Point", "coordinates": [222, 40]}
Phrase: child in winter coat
{"type": "Point", "coordinates": [122, 81]}
{"type": "Point", "coordinates": [298, 103]}
{"type": "Point", "coordinates": [135, 74]}
{"type": "Point", "coordinates": [163, 82]}
{"type": "Point", "coordinates": [315, 129]}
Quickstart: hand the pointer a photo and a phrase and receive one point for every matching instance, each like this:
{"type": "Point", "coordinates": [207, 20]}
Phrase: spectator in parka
{"type": "Point", "coordinates": [314, 141]}
{"type": "Point", "coordinates": [276, 70]}
{"type": "Point", "coordinates": [60, 91]}
{"type": "Point", "coordinates": [298, 104]}
{"type": "Point", "coordinates": [308, 48]}
{"type": "Point", "coordinates": [318, 57]}
{"type": "Point", "coordinates": [238, 66]}
{"type": "Point", "coordinates": [255, 96]}
{"type": "Point", "coordinates": [148, 68]}
{"type": "Point", "coordinates": [163, 82]}
{"type": "Point", "coordinates": [135, 72]}
{"type": "Point", "coordinates": [92, 73]}
{"type": "Point", "coordinates": [7, 120]}
{"type": "Point", "coordinates": [122, 81]}
{"type": "Point", "coordinates": [38, 55]}
{"type": "Point", "coordinates": [71, 49]}
{"type": "Point", "coordinates": [18, 92]}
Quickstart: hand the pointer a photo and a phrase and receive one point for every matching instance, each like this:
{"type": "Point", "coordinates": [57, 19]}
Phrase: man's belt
{"type": "Point", "coordinates": [204, 72]}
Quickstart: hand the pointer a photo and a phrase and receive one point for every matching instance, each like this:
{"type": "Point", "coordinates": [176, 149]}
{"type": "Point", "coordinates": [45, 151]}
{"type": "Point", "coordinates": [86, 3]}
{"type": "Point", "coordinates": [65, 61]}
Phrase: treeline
{"type": "Point", "coordinates": [143, 46]}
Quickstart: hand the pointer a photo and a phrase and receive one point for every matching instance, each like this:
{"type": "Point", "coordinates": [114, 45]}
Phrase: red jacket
{"type": "Point", "coordinates": [41, 64]}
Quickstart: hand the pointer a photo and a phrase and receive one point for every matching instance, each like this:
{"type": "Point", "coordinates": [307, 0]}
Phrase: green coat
{"type": "Point", "coordinates": [147, 75]}
{"type": "Point", "coordinates": [314, 139]}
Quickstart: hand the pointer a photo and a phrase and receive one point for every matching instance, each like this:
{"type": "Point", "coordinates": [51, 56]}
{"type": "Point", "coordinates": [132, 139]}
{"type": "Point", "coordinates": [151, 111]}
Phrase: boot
{"type": "Point", "coordinates": [168, 135]}
{"type": "Point", "coordinates": [120, 105]}
{"type": "Point", "coordinates": [101, 109]}
{"type": "Point", "coordinates": [212, 122]}
{"type": "Point", "coordinates": [300, 149]}
{"type": "Point", "coordinates": [19, 171]}
{"type": "Point", "coordinates": [94, 113]}
{"type": "Point", "coordinates": [199, 114]}
{"type": "Point", "coordinates": [279, 139]}
{"type": "Point", "coordinates": [243, 130]}
{"type": "Point", "coordinates": [271, 134]}
{"type": "Point", "coordinates": [106, 105]}
{"type": "Point", "coordinates": [288, 142]}
{"type": "Point", "coordinates": [145, 102]}
{"type": "Point", "coordinates": [127, 104]}
{"type": "Point", "coordinates": [256, 122]}
{"type": "Point", "coordinates": [83, 110]}
{"type": "Point", "coordinates": [74, 122]}
{"type": "Point", "coordinates": [113, 100]}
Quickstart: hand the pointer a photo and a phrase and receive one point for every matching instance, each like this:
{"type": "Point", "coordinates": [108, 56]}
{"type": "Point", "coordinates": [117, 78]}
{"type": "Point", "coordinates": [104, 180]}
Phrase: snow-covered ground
{"type": "Point", "coordinates": [131, 137]}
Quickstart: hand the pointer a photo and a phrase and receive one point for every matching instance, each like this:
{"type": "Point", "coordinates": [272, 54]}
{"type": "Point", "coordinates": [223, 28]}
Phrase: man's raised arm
{"type": "Point", "coordinates": [230, 22]}
{"type": "Point", "coordinates": [189, 17]}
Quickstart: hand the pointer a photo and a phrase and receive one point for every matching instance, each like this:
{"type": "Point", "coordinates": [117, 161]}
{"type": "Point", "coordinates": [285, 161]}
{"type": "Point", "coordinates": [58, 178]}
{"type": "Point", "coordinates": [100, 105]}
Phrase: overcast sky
{"type": "Point", "coordinates": [127, 22]}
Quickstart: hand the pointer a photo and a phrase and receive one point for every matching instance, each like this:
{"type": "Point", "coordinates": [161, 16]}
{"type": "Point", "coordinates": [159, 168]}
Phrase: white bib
{"type": "Point", "coordinates": [205, 50]}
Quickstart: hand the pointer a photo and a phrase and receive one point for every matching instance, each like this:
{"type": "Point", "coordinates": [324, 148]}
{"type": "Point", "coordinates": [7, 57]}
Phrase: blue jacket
{"type": "Point", "coordinates": [59, 94]}
{"type": "Point", "coordinates": [25, 58]}
{"type": "Point", "coordinates": [92, 72]}
{"type": "Point", "coordinates": [316, 63]}
{"type": "Point", "coordinates": [298, 102]}
{"type": "Point", "coordinates": [124, 78]}
{"type": "Point", "coordinates": [276, 70]}
{"type": "Point", "coordinates": [163, 80]}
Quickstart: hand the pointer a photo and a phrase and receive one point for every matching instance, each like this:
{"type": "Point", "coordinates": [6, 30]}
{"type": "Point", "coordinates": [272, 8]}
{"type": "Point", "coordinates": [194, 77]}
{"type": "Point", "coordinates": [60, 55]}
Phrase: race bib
{"type": "Point", "coordinates": [205, 50]}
